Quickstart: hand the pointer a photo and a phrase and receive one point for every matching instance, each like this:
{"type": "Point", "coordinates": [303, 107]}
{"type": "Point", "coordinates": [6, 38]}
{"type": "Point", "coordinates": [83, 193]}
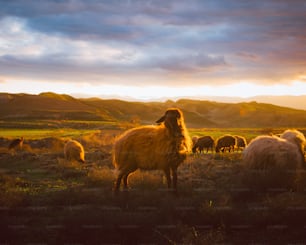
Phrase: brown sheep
{"type": "Point", "coordinates": [16, 143]}
{"type": "Point", "coordinates": [163, 147]}
{"type": "Point", "coordinates": [225, 142]}
{"type": "Point", "coordinates": [205, 142]}
{"type": "Point", "coordinates": [273, 162]}
{"type": "Point", "coordinates": [241, 142]}
{"type": "Point", "coordinates": [194, 139]}
{"type": "Point", "coordinates": [73, 150]}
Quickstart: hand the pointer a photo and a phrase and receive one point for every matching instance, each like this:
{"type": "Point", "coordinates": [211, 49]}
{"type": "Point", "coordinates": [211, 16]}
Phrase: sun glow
{"type": "Point", "coordinates": [146, 93]}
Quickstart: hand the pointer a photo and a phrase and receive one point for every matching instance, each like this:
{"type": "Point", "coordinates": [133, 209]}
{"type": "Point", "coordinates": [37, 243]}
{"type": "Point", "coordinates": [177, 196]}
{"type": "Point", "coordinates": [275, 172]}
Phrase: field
{"type": "Point", "coordinates": [46, 200]}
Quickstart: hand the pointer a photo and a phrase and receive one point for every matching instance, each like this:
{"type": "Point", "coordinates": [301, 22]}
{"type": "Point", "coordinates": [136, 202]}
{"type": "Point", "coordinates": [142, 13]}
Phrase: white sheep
{"type": "Point", "coordinates": [73, 150]}
{"type": "Point", "coordinates": [295, 137]}
{"type": "Point", "coordinates": [273, 162]}
{"type": "Point", "coordinates": [162, 146]}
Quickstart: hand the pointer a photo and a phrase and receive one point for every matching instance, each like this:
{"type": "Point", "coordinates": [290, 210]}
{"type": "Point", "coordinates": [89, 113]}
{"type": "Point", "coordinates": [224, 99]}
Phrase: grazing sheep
{"type": "Point", "coordinates": [205, 142]}
{"type": "Point", "coordinates": [241, 142]}
{"type": "Point", "coordinates": [273, 162]}
{"type": "Point", "coordinates": [163, 147]}
{"type": "Point", "coordinates": [225, 142]}
{"type": "Point", "coordinates": [194, 140]}
{"type": "Point", "coordinates": [296, 137]}
{"type": "Point", "coordinates": [16, 143]}
{"type": "Point", "coordinates": [73, 150]}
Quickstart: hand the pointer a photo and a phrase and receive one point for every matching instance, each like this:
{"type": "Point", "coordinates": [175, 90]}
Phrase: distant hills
{"type": "Point", "coordinates": [292, 101]}
{"type": "Point", "coordinates": [297, 102]}
{"type": "Point", "coordinates": [198, 113]}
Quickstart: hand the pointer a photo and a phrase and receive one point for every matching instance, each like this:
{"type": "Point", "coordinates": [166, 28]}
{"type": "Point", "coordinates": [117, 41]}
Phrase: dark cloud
{"type": "Point", "coordinates": [190, 63]}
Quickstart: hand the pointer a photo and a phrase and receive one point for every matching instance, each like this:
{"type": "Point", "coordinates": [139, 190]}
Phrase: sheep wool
{"type": "Point", "coordinates": [241, 142]}
{"type": "Point", "coordinates": [16, 143]}
{"type": "Point", "coordinates": [204, 142]}
{"type": "Point", "coordinates": [273, 162]}
{"type": "Point", "coordinates": [73, 150]}
{"type": "Point", "coordinates": [296, 137]}
{"type": "Point", "coordinates": [162, 147]}
{"type": "Point", "coordinates": [226, 142]}
{"type": "Point", "coordinates": [194, 140]}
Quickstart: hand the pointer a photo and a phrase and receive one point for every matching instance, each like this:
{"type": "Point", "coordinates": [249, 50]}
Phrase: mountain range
{"type": "Point", "coordinates": [197, 113]}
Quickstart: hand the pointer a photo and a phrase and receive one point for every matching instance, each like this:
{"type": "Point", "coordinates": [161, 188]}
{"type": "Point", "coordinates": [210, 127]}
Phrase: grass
{"type": "Point", "coordinates": [44, 199]}
{"type": "Point", "coordinates": [32, 133]}
{"type": "Point", "coordinates": [248, 133]}
{"type": "Point", "coordinates": [43, 133]}
{"type": "Point", "coordinates": [36, 129]}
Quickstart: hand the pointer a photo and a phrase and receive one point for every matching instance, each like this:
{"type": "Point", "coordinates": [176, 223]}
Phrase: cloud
{"type": "Point", "coordinates": [170, 42]}
{"type": "Point", "coordinates": [189, 63]}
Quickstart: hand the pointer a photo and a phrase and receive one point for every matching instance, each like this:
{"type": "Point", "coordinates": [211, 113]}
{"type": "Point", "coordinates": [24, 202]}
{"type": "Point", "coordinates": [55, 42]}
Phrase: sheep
{"type": "Point", "coordinates": [73, 150]}
{"type": "Point", "coordinates": [205, 142]}
{"type": "Point", "coordinates": [16, 143]}
{"type": "Point", "coordinates": [156, 147]}
{"type": "Point", "coordinates": [296, 137]}
{"type": "Point", "coordinates": [273, 162]}
{"type": "Point", "coordinates": [225, 142]}
{"type": "Point", "coordinates": [241, 142]}
{"type": "Point", "coordinates": [194, 140]}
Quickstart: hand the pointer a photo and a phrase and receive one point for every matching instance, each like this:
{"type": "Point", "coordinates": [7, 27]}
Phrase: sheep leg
{"type": "Point", "coordinates": [125, 179]}
{"type": "Point", "coordinates": [118, 181]}
{"type": "Point", "coordinates": [167, 173]}
{"type": "Point", "coordinates": [174, 178]}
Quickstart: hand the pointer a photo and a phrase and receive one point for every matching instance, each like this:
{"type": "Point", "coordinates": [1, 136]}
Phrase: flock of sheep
{"type": "Point", "coordinates": [266, 160]}
{"type": "Point", "coordinates": [223, 143]}
{"type": "Point", "coordinates": [166, 145]}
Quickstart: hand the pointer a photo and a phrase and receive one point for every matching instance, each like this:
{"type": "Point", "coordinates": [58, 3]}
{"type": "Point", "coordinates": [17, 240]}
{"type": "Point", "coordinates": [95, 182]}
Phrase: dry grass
{"type": "Point", "coordinates": [45, 199]}
{"type": "Point", "coordinates": [100, 176]}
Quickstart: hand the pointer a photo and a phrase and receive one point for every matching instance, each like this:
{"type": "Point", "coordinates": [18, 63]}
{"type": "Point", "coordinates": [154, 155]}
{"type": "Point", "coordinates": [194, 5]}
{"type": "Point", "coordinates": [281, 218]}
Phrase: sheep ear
{"type": "Point", "coordinates": [162, 119]}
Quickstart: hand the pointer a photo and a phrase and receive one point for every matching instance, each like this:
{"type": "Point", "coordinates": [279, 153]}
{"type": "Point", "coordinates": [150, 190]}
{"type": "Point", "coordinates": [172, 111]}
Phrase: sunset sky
{"type": "Point", "coordinates": [149, 50]}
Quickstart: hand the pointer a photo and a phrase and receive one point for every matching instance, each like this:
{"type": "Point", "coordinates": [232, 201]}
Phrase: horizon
{"type": "Point", "coordinates": [290, 101]}
{"type": "Point", "coordinates": [155, 49]}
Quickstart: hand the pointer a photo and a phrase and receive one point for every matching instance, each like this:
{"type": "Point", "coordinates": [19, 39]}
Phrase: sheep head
{"type": "Point", "coordinates": [173, 121]}
{"type": "Point", "coordinates": [295, 137]}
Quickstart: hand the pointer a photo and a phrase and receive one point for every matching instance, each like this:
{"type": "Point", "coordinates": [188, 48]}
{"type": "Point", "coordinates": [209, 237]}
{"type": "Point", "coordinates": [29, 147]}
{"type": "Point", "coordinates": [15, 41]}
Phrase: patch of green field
{"type": "Point", "coordinates": [44, 133]}
{"type": "Point", "coordinates": [47, 124]}
{"type": "Point", "coordinates": [38, 129]}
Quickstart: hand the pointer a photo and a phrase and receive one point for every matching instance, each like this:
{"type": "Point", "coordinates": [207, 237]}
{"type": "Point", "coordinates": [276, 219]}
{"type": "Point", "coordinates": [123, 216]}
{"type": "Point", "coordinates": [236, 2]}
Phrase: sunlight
{"type": "Point", "coordinates": [147, 93]}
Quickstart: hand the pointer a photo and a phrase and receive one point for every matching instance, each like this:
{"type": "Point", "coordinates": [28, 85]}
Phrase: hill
{"type": "Point", "coordinates": [198, 113]}
{"type": "Point", "coordinates": [298, 102]}
{"type": "Point", "coordinates": [292, 101]}
{"type": "Point", "coordinates": [47, 106]}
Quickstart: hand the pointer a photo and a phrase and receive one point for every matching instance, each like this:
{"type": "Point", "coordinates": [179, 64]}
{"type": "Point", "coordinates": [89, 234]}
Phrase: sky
{"type": "Point", "coordinates": [151, 50]}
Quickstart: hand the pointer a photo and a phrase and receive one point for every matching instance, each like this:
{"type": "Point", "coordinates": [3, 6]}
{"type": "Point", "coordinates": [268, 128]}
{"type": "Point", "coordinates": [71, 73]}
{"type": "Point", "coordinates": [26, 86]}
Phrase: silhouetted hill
{"type": "Point", "coordinates": [198, 113]}
{"type": "Point", "coordinates": [46, 106]}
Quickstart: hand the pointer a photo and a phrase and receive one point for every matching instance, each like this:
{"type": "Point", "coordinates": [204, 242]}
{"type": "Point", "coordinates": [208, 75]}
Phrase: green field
{"type": "Point", "coordinates": [44, 133]}
{"type": "Point", "coordinates": [55, 128]}
{"type": "Point", "coordinates": [75, 130]}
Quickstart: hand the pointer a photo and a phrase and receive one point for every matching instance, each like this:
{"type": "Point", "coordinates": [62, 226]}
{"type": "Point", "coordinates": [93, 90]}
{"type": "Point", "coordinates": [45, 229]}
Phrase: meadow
{"type": "Point", "coordinates": [46, 200]}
